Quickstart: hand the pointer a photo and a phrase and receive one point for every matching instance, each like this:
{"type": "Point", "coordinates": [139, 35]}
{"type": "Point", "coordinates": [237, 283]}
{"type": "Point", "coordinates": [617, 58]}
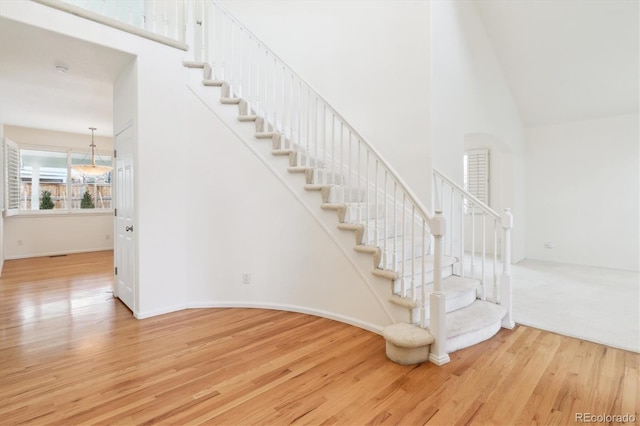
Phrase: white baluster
{"type": "Point", "coordinates": [412, 252]}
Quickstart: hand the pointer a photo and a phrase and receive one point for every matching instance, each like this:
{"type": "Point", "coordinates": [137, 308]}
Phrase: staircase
{"type": "Point", "coordinates": [435, 265]}
{"type": "Point", "coordinates": [446, 308]}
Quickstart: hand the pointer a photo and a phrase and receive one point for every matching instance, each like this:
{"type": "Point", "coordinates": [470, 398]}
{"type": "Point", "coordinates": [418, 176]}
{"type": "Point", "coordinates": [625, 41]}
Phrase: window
{"type": "Point", "coordinates": [40, 179]}
{"type": "Point", "coordinates": [476, 176]}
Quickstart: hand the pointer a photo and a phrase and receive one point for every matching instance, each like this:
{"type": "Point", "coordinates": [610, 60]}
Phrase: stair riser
{"type": "Point", "coordinates": [299, 159]}
{"type": "Point", "coordinates": [428, 276]}
{"type": "Point", "coordinates": [356, 213]}
{"type": "Point", "coordinates": [340, 194]}
{"type": "Point", "coordinates": [402, 252]}
{"type": "Point", "coordinates": [319, 176]}
{"type": "Point", "coordinates": [454, 302]}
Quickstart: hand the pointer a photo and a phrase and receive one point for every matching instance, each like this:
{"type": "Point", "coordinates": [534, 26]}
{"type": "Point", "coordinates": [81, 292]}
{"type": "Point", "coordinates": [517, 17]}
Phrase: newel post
{"type": "Point", "coordinates": [505, 278]}
{"type": "Point", "coordinates": [438, 351]}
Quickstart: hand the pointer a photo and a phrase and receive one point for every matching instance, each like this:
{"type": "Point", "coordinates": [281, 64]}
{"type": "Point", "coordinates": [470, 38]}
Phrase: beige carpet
{"type": "Point", "coordinates": [596, 304]}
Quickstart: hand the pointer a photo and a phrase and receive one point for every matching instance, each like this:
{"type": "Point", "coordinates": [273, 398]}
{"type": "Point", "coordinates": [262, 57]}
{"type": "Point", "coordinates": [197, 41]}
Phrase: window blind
{"type": "Point", "coordinates": [476, 174]}
{"type": "Point", "coordinates": [12, 176]}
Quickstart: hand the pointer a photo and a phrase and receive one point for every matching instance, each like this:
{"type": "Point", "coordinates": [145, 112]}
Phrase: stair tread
{"type": "Point", "coordinates": [332, 206]}
{"type": "Point", "coordinates": [451, 286]}
{"type": "Point", "coordinates": [247, 117]}
{"type": "Point", "coordinates": [230, 101]}
{"type": "Point", "coordinates": [407, 335]}
{"type": "Point", "coordinates": [314, 187]}
{"type": "Point", "coordinates": [297, 169]}
{"type": "Point", "coordinates": [216, 83]}
{"type": "Point", "coordinates": [478, 315]}
{"type": "Point", "coordinates": [350, 226]}
{"type": "Point", "coordinates": [193, 64]}
{"type": "Point", "coordinates": [265, 135]}
{"type": "Point", "coordinates": [446, 261]}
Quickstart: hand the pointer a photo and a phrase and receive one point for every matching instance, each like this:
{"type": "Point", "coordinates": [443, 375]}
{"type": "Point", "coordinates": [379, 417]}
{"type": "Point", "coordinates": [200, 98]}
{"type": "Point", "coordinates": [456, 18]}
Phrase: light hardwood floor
{"type": "Point", "coordinates": [72, 355]}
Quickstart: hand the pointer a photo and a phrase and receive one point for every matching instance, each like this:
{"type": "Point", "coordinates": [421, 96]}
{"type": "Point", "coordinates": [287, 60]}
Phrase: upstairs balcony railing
{"type": "Point", "coordinates": [159, 20]}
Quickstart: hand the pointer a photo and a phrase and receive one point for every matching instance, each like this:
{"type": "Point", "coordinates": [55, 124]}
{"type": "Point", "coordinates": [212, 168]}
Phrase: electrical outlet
{"type": "Point", "coordinates": [19, 242]}
{"type": "Point", "coordinates": [246, 278]}
{"type": "Point", "coordinates": [549, 244]}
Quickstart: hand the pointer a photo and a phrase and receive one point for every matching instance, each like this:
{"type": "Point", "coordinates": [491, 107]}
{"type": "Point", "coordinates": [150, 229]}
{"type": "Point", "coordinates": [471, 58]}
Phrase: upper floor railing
{"type": "Point", "coordinates": [159, 20]}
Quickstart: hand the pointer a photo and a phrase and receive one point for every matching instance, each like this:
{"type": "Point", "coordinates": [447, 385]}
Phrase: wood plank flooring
{"type": "Point", "coordinates": [70, 355]}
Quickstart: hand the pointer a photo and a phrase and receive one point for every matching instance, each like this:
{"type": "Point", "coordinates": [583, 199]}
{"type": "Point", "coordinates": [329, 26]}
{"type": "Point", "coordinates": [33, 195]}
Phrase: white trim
{"type": "Point", "coordinates": [291, 308]}
{"type": "Point", "coordinates": [57, 253]}
{"type": "Point", "coordinates": [64, 212]}
{"type": "Point", "coordinates": [156, 312]}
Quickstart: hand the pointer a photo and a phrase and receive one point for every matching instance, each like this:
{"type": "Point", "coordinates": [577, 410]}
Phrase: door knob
{"type": "Point", "coordinates": [129, 228]}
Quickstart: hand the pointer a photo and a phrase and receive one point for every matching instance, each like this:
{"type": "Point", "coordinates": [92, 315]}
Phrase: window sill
{"type": "Point", "coordinates": [61, 212]}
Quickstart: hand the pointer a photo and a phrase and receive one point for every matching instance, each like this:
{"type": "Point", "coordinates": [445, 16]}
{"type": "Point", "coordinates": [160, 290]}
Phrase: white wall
{"type": "Point", "coordinates": [582, 192]}
{"type": "Point", "coordinates": [33, 236]}
{"type": "Point", "coordinates": [471, 100]}
{"type": "Point", "coordinates": [370, 60]}
{"type": "Point", "coordinates": [242, 219]}
{"type": "Point", "coordinates": [50, 234]}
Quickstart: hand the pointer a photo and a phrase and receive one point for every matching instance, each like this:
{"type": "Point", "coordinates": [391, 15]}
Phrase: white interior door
{"type": "Point", "coordinates": [125, 288]}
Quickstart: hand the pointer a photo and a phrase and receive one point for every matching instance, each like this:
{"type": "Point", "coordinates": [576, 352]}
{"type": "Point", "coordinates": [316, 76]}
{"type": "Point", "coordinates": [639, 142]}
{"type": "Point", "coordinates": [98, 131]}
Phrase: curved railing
{"type": "Point", "coordinates": [474, 237]}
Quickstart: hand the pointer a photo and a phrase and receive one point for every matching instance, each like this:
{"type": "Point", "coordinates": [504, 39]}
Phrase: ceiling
{"type": "Point", "coordinates": [35, 94]}
{"type": "Point", "coordinates": [564, 60]}
{"type": "Point", "coordinates": [567, 60]}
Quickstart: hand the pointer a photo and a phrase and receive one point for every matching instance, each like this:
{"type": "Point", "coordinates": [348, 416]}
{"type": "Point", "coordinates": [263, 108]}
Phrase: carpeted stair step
{"type": "Point", "coordinates": [314, 186]}
{"type": "Point", "coordinates": [357, 211]}
{"type": "Point", "coordinates": [356, 228]}
{"type": "Point", "coordinates": [281, 152]}
{"type": "Point", "coordinates": [407, 344]}
{"type": "Point", "coordinates": [230, 101]}
{"type": "Point", "coordinates": [341, 194]}
{"type": "Point", "coordinates": [194, 64]}
{"type": "Point", "coordinates": [300, 159]}
{"type": "Point", "coordinates": [394, 248]}
{"type": "Point", "coordinates": [459, 292]}
{"type": "Point", "coordinates": [324, 177]}
{"type": "Point", "coordinates": [212, 83]}
{"type": "Point", "coordinates": [396, 272]}
{"type": "Point", "coordinates": [473, 324]}
{"type": "Point", "coordinates": [247, 118]}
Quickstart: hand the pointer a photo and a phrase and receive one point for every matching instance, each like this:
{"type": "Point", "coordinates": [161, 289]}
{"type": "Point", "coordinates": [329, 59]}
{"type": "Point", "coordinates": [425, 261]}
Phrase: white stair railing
{"type": "Point", "coordinates": [362, 186]}
{"type": "Point", "coordinates": [475, 239]}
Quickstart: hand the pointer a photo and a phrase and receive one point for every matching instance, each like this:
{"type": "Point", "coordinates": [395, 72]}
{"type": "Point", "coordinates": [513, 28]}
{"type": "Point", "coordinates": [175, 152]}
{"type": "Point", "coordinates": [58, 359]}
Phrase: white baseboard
{"type": "Point", "coordinates": [161, 311]}
{"type": "Point", "coordinates": [374, 328]}
{"type": "Point", "coordinates": [57, 253]}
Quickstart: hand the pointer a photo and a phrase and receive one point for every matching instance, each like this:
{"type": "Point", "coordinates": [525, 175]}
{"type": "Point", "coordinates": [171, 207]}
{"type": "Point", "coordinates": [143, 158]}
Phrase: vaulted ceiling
{"type": "Point", "coordinates": [567, 60]}
{"type": "Point", "coordinates": [564, 60]}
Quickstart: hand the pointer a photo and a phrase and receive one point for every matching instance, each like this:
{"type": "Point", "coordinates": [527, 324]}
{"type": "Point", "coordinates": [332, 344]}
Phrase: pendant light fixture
{"type": "Point", "coordinates": [92, 169]}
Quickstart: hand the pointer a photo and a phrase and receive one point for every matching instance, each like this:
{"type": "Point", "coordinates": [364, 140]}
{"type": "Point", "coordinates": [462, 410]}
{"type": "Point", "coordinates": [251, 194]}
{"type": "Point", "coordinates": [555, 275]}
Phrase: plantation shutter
{"type": "Point", "coordinates": [476, 174]}
{"type": "Point", "coordinates": [12, 177]}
